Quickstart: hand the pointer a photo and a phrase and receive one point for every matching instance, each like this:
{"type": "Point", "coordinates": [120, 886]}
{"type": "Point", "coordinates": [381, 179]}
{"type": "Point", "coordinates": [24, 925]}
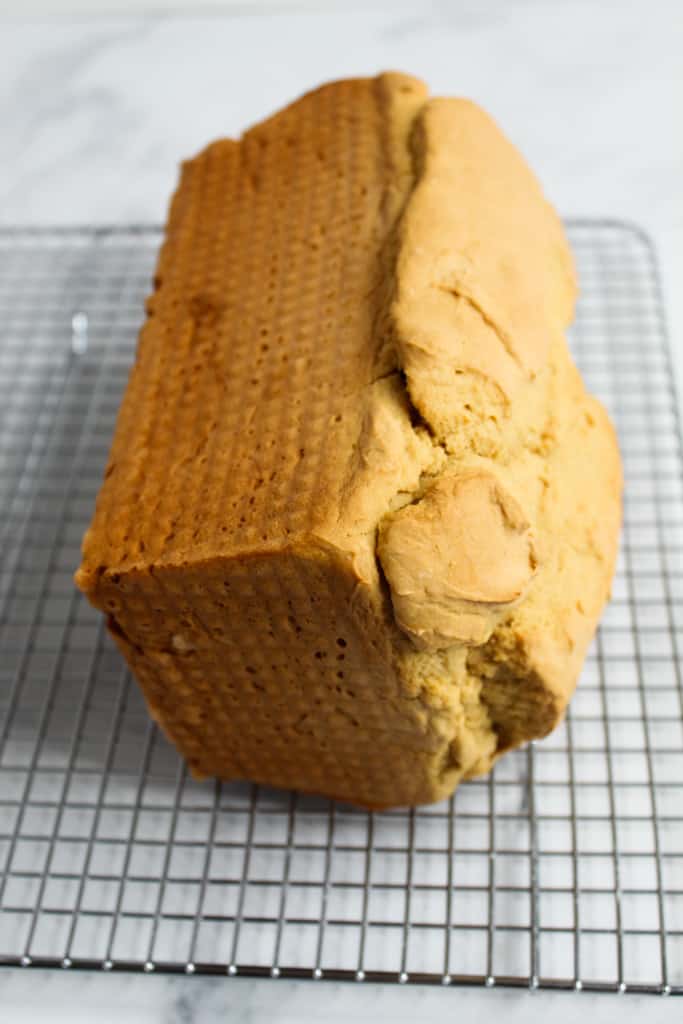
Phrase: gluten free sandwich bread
{"type": "Point", "coordinates": [360, 515]}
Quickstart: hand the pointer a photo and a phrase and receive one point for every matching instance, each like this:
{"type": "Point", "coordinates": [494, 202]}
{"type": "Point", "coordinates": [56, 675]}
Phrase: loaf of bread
{"type": "Point", "coordinates": [360, 515]}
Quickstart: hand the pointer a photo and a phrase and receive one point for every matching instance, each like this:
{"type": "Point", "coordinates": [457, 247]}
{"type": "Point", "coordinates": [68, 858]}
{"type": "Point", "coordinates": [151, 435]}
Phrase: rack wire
{"type": "Point", "coordinates": [563, 868]}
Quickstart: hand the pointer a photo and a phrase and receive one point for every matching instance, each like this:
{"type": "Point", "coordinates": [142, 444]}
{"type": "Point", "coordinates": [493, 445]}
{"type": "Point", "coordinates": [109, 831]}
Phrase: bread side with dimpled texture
{"type": "Point", "coordinates": [360, 515]}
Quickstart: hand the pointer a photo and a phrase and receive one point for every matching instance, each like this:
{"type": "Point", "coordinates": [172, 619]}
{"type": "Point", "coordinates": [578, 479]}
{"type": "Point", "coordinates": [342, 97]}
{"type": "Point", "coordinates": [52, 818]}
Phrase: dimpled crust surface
{"type": "Point", "coordinates": [360, 516]}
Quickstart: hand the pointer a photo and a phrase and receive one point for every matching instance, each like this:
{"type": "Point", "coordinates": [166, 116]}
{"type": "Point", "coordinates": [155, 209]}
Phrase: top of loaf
{"type": "Point", "coordinates": [361, 297]}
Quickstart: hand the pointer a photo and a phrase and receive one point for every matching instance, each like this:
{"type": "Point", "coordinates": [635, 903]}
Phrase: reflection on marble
{"type": "Point", "coordinates": [95, 116]}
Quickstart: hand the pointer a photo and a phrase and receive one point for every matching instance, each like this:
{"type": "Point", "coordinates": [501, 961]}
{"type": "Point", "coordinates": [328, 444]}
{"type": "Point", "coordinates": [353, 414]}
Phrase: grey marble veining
{"type": "Point", "coordinates": [95, 116]}
{"type": "Point", "coordinates": [65, 998]}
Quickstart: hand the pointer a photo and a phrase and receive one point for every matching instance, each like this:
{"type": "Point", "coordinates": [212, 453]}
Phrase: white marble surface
{"type": "Point", "coordinates": [95, 115]}
{"type": "Point", "coordinates": [34, 997]}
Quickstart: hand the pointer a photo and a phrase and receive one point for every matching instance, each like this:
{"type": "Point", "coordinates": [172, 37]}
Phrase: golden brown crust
{"type": "Point", "coordinates": [355, 332]}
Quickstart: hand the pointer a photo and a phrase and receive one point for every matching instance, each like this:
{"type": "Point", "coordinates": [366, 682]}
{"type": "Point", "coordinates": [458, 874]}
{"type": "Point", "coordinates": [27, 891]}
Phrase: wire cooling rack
{"type": "Point", "coordinates": [564, 868]}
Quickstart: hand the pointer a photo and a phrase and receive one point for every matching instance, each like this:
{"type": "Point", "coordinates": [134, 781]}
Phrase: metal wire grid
{"type": "Point", "coordinates": [563, 869]}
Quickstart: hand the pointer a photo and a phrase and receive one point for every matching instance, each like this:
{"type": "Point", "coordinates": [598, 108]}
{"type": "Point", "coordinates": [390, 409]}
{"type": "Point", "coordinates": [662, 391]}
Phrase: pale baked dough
{"type": "Point", "coordinates": [360, 516]}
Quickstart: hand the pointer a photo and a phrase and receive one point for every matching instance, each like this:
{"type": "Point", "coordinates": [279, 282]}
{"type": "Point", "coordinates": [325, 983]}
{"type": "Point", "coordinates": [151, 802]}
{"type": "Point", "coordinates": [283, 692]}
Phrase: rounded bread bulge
{"type": "Point", "coordinates": [456, 559]}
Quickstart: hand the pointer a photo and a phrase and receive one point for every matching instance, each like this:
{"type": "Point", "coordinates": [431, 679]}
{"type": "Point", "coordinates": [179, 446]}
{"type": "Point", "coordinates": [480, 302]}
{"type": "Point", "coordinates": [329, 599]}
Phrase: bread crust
{"type": "Point", "coordinates": [351, 538]}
